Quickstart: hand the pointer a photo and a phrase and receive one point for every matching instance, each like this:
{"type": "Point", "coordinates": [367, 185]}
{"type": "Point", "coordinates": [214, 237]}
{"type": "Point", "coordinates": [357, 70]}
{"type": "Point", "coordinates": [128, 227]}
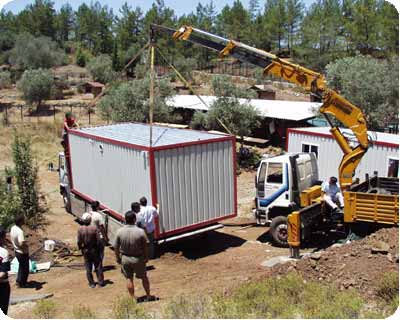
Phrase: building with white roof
{"type": "Point", "coordinates": [277, 115]}
{"type": "Point", "coordinates": [382, 155]}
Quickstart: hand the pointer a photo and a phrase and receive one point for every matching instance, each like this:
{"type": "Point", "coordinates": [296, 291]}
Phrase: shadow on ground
{"type": "Point", "coordinates": [207, 244]}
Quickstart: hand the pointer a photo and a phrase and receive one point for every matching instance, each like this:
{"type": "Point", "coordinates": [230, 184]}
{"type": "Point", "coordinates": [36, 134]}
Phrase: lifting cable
{"type": "Point", "coordinates": [182, 78]}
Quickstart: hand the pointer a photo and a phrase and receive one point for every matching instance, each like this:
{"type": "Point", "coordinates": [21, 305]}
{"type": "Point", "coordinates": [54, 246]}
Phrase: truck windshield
{"type": "Point", "coordinates": [275, 173]}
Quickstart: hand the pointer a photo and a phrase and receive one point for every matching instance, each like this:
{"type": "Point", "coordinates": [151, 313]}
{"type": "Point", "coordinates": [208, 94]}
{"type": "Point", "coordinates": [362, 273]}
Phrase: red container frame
{"type": "Point", "coordinates": [153, 182]}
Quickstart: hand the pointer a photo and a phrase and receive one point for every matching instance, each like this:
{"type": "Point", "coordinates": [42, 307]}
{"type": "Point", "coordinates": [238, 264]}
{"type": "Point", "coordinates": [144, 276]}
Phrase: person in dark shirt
{"type": "Point", "coordinates": [90, 244]}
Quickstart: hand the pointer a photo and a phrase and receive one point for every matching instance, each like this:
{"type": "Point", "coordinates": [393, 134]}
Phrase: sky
{"type": "Point", "coordinates": [180, 6]}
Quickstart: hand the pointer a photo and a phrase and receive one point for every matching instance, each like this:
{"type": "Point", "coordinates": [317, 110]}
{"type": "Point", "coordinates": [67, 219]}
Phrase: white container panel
{"type": "Point", "coordinates": [113, 174]}
{"type": "Point", "coordinates": [195, 184]}
{"type": "Point", "coordinates": [330, 155]}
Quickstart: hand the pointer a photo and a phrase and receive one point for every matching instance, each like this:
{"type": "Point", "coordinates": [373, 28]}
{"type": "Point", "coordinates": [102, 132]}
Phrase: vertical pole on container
{"type": "Point", "coordinates": [151, 100]}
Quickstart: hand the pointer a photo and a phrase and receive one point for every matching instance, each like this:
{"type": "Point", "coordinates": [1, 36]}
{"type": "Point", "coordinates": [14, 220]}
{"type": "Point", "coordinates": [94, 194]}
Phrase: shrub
{"type": "Point", "coordinates": [10, 203]}
{"type": "Point", "coordinates": [83, 312]}
{"type": "Point", "coordinates": [101, 69]}
{"type": "Point", "coordinates": [199, 121]}
{"type": "Point", "coordinates": [5, 79]}
{"type": "Point", "coordinates": [127, 308]}
{"type": "Point", "coordinates": [45, 309]}
{"type": "Point", "coordinates": [36, 86]}
{"type": "Point", "coordinates": [82, 56]}
{"type": "Point", "coordinates": [26, 177]}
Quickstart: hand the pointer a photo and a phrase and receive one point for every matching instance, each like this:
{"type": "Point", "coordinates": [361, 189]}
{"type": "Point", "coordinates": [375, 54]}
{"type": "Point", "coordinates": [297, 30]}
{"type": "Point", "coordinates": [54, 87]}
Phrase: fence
{"type": "Point", "coordinates": [19, 114]}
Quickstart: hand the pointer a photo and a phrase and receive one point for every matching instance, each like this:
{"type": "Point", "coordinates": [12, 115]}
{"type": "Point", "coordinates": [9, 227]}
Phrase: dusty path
{"type": "Point", "coordinates": [207, 264]}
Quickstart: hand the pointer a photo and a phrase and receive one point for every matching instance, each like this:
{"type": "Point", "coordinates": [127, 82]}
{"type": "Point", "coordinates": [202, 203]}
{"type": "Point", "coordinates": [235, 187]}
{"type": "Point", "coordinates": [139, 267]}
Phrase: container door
{"type": "Point", "coordinates": [62, 172]}
{"type": "Point", "coordinates": [275, 185]}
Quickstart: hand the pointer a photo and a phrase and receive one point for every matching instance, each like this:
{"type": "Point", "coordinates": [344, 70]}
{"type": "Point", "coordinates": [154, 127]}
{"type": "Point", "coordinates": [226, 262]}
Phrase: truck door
{"type": "Point", "coordinates": [274, 176]}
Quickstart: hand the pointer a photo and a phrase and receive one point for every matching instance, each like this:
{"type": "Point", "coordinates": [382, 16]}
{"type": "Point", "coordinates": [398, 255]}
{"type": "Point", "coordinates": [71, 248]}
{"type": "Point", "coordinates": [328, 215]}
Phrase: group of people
{"type": "Point", "coordinates": [133, 244]}
{"type": "Point", "coordinates": [21, 251]}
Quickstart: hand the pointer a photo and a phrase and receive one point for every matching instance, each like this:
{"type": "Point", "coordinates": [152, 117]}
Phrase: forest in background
{"type": "Point", "coordinates": [314, 36]}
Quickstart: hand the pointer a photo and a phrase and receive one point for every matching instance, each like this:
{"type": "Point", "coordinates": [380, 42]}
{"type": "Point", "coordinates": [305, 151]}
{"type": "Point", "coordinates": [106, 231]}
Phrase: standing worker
{"type": "Point", "coordinates": [4, 268]}
{"type": "Point", "coordinates": [21, 251]}
{"type": "Point", "coordinates": [130, 247]}
{"type": "Point", "coordinates": [146, 218]}
{"type": "Point", "coordinates": [333, 194]}
{"type": "Point", "coordinates": [97, 220]}
{"type": "Point", "coordinates": [89, 243]}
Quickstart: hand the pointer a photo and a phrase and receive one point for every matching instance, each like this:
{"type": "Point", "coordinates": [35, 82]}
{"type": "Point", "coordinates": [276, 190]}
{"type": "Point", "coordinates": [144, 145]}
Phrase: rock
{"type": "Point", "coordinates": [389, 257]}
{"type": "Point", "coordinates": [316, 255]}
{"type": "Point", "coordinates": [380, 247]}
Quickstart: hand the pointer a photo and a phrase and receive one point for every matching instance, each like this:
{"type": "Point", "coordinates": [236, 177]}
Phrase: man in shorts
{"type": "Point", "coordinates": [130, 247]}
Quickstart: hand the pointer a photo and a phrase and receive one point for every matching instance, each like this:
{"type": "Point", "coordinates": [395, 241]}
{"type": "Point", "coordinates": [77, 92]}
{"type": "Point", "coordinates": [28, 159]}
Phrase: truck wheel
{"type": "Point", "coordinates": [67, 203]}
{"type": "Point", "coordinates": [278, 231]}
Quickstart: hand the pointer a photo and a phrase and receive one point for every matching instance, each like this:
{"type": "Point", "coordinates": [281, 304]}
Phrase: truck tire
{"type": "Point", "coordinates": [278, 231]}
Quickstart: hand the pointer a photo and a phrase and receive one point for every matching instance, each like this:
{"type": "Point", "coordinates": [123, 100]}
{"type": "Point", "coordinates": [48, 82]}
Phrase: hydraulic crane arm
{"type": "Point", "coordinates": [333, 104]}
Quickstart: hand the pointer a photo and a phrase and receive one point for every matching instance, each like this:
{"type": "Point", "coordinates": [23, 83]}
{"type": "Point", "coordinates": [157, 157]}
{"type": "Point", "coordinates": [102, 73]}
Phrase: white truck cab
{"type": "Point", "coordinates": [279, 182]}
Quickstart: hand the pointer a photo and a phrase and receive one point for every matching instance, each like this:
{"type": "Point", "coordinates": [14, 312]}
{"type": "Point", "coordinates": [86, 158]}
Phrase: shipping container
{"type": "Point", "coordinates": [190, 175]}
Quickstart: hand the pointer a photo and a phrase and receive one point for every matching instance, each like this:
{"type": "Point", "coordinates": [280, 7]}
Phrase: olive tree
{"type": "Point", "coordinates": [36, 86]}
{"type": "Point", "coordinates": [33, 53]}
{"type": "Point", "coordinates": [231, 111]}
{"type": "Point", "coordinates": [129, 101]}
{"type": "Point", "coordinates": [101, 69]}
{"type": "Point", "coordinates": [370, 84]}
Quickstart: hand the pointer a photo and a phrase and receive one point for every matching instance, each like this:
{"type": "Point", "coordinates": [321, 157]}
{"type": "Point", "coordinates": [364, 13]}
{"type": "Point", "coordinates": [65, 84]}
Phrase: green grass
{"type": "Point", "coordinates": [83, 312]}
{"type": "Point", "coordinates": [287, 297]}
{"type": "Point", "coordinates": [127, 308]}
{"type": "Point", "coordinates": [45, 309]}
{"type": "Point", "coordinates": [388, 292]}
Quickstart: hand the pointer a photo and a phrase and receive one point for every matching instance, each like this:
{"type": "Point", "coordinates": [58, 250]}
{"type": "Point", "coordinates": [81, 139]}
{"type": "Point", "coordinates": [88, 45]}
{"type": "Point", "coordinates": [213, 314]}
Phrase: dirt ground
{"type": "Point", "coordinates": [217, 261]}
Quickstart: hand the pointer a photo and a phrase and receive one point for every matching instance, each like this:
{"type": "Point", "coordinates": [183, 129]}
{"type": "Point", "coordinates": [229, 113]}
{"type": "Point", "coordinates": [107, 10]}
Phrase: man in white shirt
{"type": "Point", "coordinates": [332, 194]}
{"type": "Point", "coordinates": [21, 251]}
{"type": "Point", "coordinates": [4, 268]}
{"type": "Point", "coordinates": [146, 218]}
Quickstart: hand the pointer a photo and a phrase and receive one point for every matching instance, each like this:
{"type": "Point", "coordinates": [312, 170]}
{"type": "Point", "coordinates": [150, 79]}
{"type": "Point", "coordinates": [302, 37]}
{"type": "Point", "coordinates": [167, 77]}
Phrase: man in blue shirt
{"type": "Point", "coordinates": [332, 194]}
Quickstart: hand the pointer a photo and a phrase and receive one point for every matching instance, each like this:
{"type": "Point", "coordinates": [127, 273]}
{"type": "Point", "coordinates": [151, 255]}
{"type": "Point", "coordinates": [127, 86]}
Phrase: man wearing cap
{"type": "Point", "coordinates": [130, 247]}
{"type": "Point", "coordinates": [89, 243]}
{"type": "Point", "coordinates": [4, 268]}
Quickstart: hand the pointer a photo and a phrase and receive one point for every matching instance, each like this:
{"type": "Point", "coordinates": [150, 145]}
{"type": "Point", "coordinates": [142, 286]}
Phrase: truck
{"type": "Point", "coordinates": [189, 175]}
{"type": "Point", "coordinates": [288, 187]}
{"type": "Point", "coordinates": [283, 198]}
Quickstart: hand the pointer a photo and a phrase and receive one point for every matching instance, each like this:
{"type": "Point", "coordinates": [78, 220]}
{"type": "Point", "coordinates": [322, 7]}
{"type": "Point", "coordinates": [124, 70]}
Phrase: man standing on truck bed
{"type": "Point", "coordinates": [130, 247]}
{"type": "Point", "coordinates": [332, 194]}
{"type": "Point", "coordinates": [146, 218]}
{"type": "Point", "coordinates": [89, 243]}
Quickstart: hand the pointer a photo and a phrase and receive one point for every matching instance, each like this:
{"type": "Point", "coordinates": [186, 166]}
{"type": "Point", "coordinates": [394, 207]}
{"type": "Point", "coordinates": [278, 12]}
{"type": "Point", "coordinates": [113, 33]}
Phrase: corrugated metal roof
{"type": "Point", "coordinates": [139, 134]}
{"type": "Point", "coordinates": [277, 109]}
{"type": "Point", "coordinates": [374, 135]}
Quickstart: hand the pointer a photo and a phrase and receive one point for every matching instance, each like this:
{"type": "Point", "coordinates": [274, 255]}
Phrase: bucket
{"type": "Point", "coordinates": [49, 245]}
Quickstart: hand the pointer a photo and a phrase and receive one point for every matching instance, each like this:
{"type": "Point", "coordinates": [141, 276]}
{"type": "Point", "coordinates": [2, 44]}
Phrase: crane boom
{"type": "Point", "coordinates": [333, 104]}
